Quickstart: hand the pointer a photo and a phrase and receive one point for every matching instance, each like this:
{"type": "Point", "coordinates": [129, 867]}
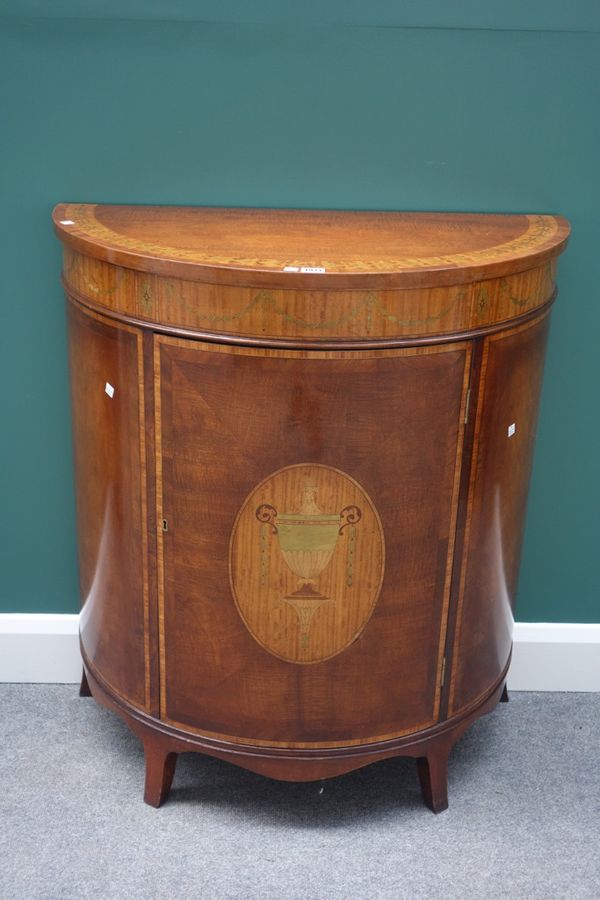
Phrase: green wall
{"type": "Point", "coordinates": [467, 106]}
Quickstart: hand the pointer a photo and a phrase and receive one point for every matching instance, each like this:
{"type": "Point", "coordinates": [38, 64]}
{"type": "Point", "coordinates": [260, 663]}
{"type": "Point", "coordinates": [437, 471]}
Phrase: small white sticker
{"type": "Point", "coordinates": [291, 268]}
{"type": "Point", "coordinates": [67, 222]}
{"type": "Point", "coordinates": [511, 429]}
{"type": "Point", "coordinates": [312, 270]}
{"type": "Point", "coordinates": [109, 389]}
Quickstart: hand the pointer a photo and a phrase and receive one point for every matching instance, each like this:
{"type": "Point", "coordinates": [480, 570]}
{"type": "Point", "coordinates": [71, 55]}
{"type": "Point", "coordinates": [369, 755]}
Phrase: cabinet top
{"type": "Point", "coordinates": [283, 247]}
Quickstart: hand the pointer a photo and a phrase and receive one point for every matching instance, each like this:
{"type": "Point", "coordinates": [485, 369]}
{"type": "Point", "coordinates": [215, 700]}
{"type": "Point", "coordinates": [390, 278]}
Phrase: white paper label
{"type": "Point", "coordinates": [67, 222]}
{"type": "Point", "coordinates": [291, 269]}
{"type": "Point", "coordinates": [109, 389]}
{"type": "Point", "coordinates": [511, 429]}
{"type": "Point", "coordinates": [312, 270]}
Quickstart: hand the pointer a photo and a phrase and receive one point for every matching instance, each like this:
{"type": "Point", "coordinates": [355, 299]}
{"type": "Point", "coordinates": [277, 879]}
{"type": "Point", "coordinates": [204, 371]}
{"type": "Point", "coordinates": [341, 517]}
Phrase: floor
{"type": "Point", "coordinates": [524, 817]}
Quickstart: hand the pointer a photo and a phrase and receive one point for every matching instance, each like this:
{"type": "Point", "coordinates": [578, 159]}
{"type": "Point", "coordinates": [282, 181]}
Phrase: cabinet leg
{"type": "Point", "coordinates": [504, 695]}
{"type": "Point", "coordinates": [84, 688]}
{"type": "Point", "coordinates": [160, 768]}
{"type": "Point", "coordinates": [433, 775]}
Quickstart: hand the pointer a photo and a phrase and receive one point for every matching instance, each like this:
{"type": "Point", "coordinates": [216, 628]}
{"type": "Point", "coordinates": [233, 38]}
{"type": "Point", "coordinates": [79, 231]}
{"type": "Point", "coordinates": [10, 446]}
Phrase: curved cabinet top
{"type": "Point", "coordinates": [305, 278]}
{"type": "Point", "coordinates": [274, 247]}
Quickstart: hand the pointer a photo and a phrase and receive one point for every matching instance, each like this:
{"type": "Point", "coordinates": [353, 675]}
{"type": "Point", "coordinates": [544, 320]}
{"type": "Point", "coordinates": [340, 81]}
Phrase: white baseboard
{"type": "Point", "coordinates": [546, 656]}
{"type": "Point", "coordinates": [39, 647]}
{"type": "Point", "coordinates": [555, 656]}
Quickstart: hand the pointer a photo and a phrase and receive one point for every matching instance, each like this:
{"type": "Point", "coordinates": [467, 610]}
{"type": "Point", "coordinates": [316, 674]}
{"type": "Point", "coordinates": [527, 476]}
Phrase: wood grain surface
{"type": "Point", "coordinates": [304, 316]}
{"type": "Point", "coordinates": [110, 466]}
{"type": "Point", "coordinates": [306, 562]}
{"type": "Point", "coordinates": [301, 496]}
{"type": "Point", "coordinates": [271, 247]}
{"type": "Point", "coordinates": [506, 425]}
{"type": "Point", "coordinates": [231, 417]}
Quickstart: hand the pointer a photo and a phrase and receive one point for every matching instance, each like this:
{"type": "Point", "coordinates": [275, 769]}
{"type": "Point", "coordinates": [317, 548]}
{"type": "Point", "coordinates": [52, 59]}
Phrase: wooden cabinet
{"type": "Point", "coordinates": [302, 444]}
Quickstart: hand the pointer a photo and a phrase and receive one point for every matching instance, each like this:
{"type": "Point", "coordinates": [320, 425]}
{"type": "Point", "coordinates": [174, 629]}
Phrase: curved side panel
{"type": "Point", "coordinates": [105, 367]}
{"type": "Point", "coordinates": [507, 409]}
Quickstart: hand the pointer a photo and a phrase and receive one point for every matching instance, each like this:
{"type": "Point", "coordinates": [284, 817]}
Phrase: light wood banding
{"type": "Point", "coordinates": [301, 512]}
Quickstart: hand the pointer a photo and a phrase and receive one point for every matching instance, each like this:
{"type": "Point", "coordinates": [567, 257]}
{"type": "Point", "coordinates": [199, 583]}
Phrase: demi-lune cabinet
{"type": "Point", "coordinates": [303, 443]}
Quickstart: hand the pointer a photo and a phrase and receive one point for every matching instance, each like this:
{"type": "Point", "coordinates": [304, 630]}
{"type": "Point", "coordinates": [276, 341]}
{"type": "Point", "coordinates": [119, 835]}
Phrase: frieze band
{"type": "Point", "coordinates": [243, 310]}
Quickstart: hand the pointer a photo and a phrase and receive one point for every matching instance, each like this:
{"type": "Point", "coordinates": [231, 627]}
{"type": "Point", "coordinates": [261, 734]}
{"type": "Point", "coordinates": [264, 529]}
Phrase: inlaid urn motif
{"type": "Point", "coordinates": [306, 562]}
{"type": "Point", "coordinates": [307, 539]}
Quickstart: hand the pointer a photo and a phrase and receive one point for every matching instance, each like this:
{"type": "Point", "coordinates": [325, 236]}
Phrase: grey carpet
{"type": "Point", "coordinates": [524, 817]}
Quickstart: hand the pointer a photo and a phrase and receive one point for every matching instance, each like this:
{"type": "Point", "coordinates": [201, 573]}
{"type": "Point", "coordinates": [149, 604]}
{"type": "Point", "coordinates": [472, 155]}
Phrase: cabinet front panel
{"type": "Point", "coordinates": [107, 427]}
{"type": "Point", "coordinates": [508, 408]}
{"type": "Point", "coordinates": [309, 502]}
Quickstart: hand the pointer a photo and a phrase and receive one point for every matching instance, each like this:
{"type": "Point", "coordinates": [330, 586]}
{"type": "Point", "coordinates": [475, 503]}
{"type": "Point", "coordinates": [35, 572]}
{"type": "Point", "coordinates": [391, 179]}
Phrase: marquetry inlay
{"type": "Point", "coordinates": [200, 242]}
{"type": "Point", "coordinates": [302, 446]}
{"type": "Point", "coordinates": [307, 559]}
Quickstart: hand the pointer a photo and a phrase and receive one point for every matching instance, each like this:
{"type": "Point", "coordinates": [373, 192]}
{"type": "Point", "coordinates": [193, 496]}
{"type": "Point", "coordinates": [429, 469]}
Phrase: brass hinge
{"type": "Point", "coordinates": [443, 674]}
{"type": "Point", "coordinates": [467, 405]}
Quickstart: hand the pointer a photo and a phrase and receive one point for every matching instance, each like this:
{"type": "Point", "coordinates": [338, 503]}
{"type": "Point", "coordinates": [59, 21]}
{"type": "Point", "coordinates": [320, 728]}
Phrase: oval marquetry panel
{"type": "Point", "coordinates": [306, 562]}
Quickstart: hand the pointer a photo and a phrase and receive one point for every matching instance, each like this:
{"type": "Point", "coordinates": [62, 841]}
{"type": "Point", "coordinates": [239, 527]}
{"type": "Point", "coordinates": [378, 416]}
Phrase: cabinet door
{"type": "Point", "coordinates": [507, 410]}
{"type": "Point", "coordinates": [309, 500]}
{"type": "Point", "coordinates": [108, 424]}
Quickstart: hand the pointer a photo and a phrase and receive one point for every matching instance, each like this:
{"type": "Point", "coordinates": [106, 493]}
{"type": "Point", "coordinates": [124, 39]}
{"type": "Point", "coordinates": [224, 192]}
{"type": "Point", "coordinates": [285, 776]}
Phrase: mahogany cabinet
{"type": "Point", "coordinates": [302, 445]}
